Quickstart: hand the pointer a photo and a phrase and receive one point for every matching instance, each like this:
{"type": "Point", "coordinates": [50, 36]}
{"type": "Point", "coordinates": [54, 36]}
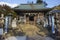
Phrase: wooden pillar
{"type": "Point", "coordinates": [38, 15]}
{"type": "Point", "coordinates": [35, 17]}
{"type": "Point", "coordinates": [25, 18]}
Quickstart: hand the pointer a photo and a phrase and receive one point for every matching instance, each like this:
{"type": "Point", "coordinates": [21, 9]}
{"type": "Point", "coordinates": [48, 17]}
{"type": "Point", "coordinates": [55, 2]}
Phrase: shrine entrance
{"type": "Point", "coordinates": [31, 18]}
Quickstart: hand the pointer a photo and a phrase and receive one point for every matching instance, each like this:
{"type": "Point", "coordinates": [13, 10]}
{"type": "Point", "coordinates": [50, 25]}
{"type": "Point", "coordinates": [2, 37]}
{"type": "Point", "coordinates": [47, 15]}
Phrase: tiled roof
{"type": "Point", "coordinates": [31, 7]}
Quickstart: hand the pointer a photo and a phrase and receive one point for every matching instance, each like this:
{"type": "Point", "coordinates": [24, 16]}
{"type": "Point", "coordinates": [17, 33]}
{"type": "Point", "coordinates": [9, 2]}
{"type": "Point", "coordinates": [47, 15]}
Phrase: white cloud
{"type": "Point", "coordinates": [11, 5]}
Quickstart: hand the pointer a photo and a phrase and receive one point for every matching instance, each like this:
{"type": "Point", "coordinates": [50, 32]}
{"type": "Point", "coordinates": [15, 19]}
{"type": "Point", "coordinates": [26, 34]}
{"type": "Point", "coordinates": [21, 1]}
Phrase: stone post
{"type": "Point", "coordinates": [10, 19]}
{"type": "Point", "coordinates": [49, 20]}
{"type": "Point", "coordinates": [53, 28]}
{"type": "Point", "coordinates": [6, 24]}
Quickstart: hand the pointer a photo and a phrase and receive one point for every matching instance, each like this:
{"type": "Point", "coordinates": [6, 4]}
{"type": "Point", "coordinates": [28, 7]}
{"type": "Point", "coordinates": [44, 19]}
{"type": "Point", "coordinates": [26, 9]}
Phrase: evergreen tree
{"type": "Point", "coordinates": [7, 10]}
{"type": "Point", "coordinates": [39, 1]}
{"type": "Point", "coordinates": [57, 7]}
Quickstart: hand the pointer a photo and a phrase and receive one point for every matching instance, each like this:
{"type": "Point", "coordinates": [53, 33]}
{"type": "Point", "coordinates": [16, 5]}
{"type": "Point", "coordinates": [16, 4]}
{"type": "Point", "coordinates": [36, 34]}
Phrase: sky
{"type": "Point", "coordinates": [13, 3]}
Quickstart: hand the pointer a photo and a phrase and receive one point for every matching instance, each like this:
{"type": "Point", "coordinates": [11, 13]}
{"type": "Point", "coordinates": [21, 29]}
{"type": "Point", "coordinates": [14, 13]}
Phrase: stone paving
{"type": "Point", "coordinates": [29, 38]}
{"type": "Point", "coordinates": [31, 30]}
{"type": "Point", "coordinates": [30, 33]}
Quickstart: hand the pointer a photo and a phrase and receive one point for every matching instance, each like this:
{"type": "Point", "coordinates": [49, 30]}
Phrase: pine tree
{"type": "Point", "coordinates": [39, 1]}
{"type": "Point", "coordinates": [5, 9]}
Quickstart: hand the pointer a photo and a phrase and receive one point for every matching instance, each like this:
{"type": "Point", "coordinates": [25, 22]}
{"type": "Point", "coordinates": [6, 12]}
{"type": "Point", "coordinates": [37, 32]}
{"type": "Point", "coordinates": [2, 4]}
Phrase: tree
{"type": "Point", "coordinates": [39, 1]}
{"type": "Point", "coordinates": [6, 10]}
{"type": "Point", "coordinates": [57, 7]}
